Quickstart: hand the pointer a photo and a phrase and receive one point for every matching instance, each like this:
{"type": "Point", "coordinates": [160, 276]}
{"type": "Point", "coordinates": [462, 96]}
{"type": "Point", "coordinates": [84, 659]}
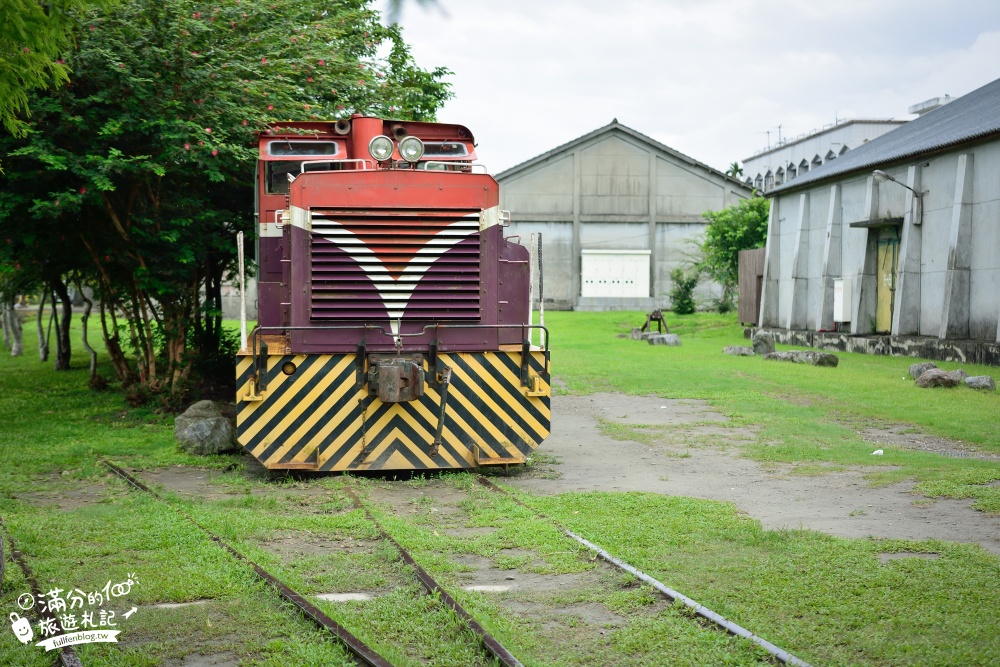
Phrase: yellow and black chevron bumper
{"type": "Point", "coordinates": [321, 418]}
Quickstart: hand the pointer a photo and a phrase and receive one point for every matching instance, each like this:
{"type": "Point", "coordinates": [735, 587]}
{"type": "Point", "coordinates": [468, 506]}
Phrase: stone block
{"type": "Point", "coordinates": [664, 339]}
{"type": "Point", "coordinates": [763, 343]}
{"type": "Point", "coordinates": [738, 350]}
{"type": "Point", "coordinates": [202, 429]}
{"type": "Point", "coordinates": [806, 357]}
{"type": "Point", "coordinates": [935, 377]}
{"type": "Point", "coordinates": [984, 382]}
{"type": "Point", "coordinates": [916, 370]}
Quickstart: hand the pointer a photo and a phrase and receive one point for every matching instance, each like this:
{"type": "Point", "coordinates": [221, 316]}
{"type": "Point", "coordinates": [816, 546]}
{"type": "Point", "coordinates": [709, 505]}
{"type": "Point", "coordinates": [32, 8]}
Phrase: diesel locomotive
{"type": "Point", "coordinates": [394, 315]}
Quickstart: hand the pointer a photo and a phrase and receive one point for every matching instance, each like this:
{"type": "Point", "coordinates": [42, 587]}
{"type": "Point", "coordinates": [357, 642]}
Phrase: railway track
{"type": "Point", "coordinates": [494, 652]}
{"type": "Point", "coordinates": [363, 653]}
{"type": "Point", "coordinates": [777, 654]}
{"type": "Point", "coordinates": [67, 657]}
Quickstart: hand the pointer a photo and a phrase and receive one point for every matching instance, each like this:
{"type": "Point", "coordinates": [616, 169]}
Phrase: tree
{"type": "Point", "coordinates": [32, 36]}
{"type": "Point", "coordinates": [735, 170]}
{"type": "Point", "coordinates": [138, 173]}
{"type": "Point", "coordinates": [739, 227]}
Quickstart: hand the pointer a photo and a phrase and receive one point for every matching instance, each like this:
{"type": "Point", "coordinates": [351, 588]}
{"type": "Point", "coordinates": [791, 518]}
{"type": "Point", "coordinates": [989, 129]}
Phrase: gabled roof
{"type": "Point", "coordinates": [972, 117]}
{"type": "Point", "coordinates": [611, 127]}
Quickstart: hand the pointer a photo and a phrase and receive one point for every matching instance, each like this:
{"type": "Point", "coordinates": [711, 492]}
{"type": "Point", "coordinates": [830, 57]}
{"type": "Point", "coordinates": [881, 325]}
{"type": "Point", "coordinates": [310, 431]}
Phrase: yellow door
{"type": "Point", "coordinates": [888, 256]}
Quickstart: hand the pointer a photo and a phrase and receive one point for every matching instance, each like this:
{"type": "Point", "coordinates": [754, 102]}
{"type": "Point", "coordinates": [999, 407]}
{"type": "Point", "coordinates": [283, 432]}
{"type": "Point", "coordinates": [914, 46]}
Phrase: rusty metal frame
{"type": "Point", "coordinates": [358, 648]}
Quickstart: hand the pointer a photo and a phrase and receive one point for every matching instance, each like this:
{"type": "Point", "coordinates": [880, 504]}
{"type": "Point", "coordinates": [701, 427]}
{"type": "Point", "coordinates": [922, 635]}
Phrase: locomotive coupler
{"type": "Point", "coordinates": [394, 378]}
{"type": "Point", "coordinates": [445, 383]}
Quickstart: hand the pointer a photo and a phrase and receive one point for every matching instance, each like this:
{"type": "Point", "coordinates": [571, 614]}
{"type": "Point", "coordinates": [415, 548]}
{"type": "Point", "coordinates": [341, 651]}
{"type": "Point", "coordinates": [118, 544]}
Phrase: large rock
{"type": "Point", "coordinates": [763, 343]}
{"type": "Point", "coordinates": [935, 377]}
{"type": "Point", "coordinates": [738, 350]}
{"type": "Point", "coordinates": [202, 429]}
{"type": "Point", "coordinates": [806, 357]}
{"type": "Point", "coordinates": [916, 370]}
{"type": "Point", "coordinates": [960, 375]}
{"type": "Point", "coordinates": [664, 339]}
{"type": "Point", "coordinates": [636, 333]}
{"type": "Point", "coordinates": [981, 382]}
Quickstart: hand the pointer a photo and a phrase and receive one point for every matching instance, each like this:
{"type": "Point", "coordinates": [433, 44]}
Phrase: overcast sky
{"type": "Point", "coordinates": [708, 78]}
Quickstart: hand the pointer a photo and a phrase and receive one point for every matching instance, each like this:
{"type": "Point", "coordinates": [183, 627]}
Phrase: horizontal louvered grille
{"type": "Point", "coordinates": [400, 267]}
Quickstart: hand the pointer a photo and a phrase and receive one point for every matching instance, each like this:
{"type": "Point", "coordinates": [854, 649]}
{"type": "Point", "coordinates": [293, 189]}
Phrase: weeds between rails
{"type": "Point", "coordinates": [365, 654]}
{"type": "Point", "coordinates": [67, 656]}
{"type": "Point", "coordinates": [775, 653]}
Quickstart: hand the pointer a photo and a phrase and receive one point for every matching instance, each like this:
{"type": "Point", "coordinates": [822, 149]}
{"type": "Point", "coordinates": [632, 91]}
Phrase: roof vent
{"type": "Point", "coordinates": [929, 105]}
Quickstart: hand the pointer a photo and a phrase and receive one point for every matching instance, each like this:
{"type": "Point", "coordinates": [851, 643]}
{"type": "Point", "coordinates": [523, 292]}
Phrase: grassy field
{"type": "Point", "coordinates": [826, 599]}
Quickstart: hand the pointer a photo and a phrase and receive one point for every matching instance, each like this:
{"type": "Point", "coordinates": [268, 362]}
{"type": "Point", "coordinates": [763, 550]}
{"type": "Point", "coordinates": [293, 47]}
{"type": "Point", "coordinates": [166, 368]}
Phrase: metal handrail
{"type": "Point", "coordinates": [363, 162]}
{"type": "Point", "coordinates": [453, 163]}
{"type": "Point", "coordinates": [258, 331]}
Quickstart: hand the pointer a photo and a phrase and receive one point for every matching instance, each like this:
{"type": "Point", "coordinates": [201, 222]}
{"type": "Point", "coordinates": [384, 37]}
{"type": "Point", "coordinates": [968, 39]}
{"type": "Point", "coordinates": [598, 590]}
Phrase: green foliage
{"type": "Point", "coordinates": [739, 227]}
{"type": "Point", "coordinates": [682, 291]}
{"type": "Point", "coordinates": [138, 174]}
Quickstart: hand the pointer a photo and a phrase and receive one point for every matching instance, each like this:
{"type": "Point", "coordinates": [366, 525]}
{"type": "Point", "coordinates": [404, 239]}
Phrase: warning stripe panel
{"type": "Point", "coordinates": [319, 417]}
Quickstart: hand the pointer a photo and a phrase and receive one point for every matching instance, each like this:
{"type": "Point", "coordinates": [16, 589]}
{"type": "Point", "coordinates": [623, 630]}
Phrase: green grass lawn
{"type": "Point", "coordinates": [828, 600]}
{"type": "Point", "coordinates": [806, 415]}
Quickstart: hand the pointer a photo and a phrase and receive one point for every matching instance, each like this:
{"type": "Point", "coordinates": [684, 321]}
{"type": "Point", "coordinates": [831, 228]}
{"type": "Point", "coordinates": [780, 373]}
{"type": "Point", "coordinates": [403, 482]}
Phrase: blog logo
{"type": "Point", "coordinates": [21, 627]}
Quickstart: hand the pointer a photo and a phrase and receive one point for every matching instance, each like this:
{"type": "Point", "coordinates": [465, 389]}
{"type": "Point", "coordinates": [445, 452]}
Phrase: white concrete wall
{"type": "Point", "coordinates": [615, 191]}
{"type": "Point", "coordinates": [955, 246]}
{"type": "Point", "coordinates": [814, 147]}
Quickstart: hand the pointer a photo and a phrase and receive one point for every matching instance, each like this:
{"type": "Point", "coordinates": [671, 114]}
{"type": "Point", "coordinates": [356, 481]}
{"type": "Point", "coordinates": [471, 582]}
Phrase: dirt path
{"type": "Point", "coordinates": [695, 461]}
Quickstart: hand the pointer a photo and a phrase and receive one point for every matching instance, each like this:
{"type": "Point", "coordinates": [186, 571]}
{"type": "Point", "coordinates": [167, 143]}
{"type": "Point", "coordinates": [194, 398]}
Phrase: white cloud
{"type": "Point", "coordinates": [707, 78]}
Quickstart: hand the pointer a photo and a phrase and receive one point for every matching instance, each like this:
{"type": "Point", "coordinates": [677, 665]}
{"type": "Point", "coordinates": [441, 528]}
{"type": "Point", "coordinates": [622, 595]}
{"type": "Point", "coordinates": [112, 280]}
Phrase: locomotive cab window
{"type": "Point", "coordinates": [277, 171]}
{"type": "Point", "coordinates": [445, 149]}
{"type": "Point", "coordinates": [303, 148]}
{"type": "Point", "coordinates": [277, 175]}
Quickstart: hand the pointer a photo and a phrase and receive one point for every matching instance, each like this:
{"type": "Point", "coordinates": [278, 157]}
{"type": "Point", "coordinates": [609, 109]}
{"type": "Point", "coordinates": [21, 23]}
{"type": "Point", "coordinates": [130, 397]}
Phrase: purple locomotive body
{"type": "Point", "coordinates": [394, 316]}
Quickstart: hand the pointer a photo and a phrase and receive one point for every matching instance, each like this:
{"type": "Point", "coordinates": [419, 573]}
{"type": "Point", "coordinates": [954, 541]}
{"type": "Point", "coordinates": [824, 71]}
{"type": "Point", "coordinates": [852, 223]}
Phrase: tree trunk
{"type": "Point", "coordinates": [63, 349]}
{"type": "Point", "coordinates": [112, 341]}
{"type": "Point", "coordinates": [17, 333]}
{"type": "Point", "coordinates": [88, 306]}
{"type": "Point", "coordinates": [43, 343]}
{"type": "Point", "coordinates": [13, 335]}
{"type": "Point", "coordinates": [5, 321]}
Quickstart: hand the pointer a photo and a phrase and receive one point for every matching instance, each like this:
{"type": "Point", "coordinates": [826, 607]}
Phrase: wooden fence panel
{"type": "Point", "coordinates": [750, 284]}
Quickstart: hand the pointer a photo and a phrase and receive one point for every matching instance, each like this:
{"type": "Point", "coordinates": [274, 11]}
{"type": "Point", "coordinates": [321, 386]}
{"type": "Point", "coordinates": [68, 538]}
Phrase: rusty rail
{"type": "Point", "coordinates": [358, 648]}
{"type": "Point", "coordinates": [778, 654]}
{"type": "Point", "coordinates": [67, 656]}
{"type": "Point", "coordinates": [488, 642]}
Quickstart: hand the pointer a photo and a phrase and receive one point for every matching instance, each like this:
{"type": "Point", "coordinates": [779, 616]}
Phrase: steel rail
{"type": "Point", "coordinates": [358, 648]}
{"type": "Point", "coordinates": [778, 654]}
{"type": "Point", "coordinates": [67, 656]}
{"type": "Point", "coordinates": [488, 641]}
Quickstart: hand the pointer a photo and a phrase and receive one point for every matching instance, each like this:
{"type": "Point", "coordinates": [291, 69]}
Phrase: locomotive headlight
{"type": "Point", "coordinates": [411, 148]}
{"type": "Point", "coordinates": [380, 148]}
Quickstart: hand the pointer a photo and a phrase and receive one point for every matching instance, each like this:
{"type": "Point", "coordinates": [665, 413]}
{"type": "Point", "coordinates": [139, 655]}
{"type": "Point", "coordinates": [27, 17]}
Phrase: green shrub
{"type": "Point", "coordinates": [682, 291]}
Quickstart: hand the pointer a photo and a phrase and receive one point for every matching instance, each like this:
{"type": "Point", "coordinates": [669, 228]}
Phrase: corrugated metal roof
{"type": "Point", "coordinates": [970, 117]}
{"type": "Point", "coordinates": [611, 127]}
